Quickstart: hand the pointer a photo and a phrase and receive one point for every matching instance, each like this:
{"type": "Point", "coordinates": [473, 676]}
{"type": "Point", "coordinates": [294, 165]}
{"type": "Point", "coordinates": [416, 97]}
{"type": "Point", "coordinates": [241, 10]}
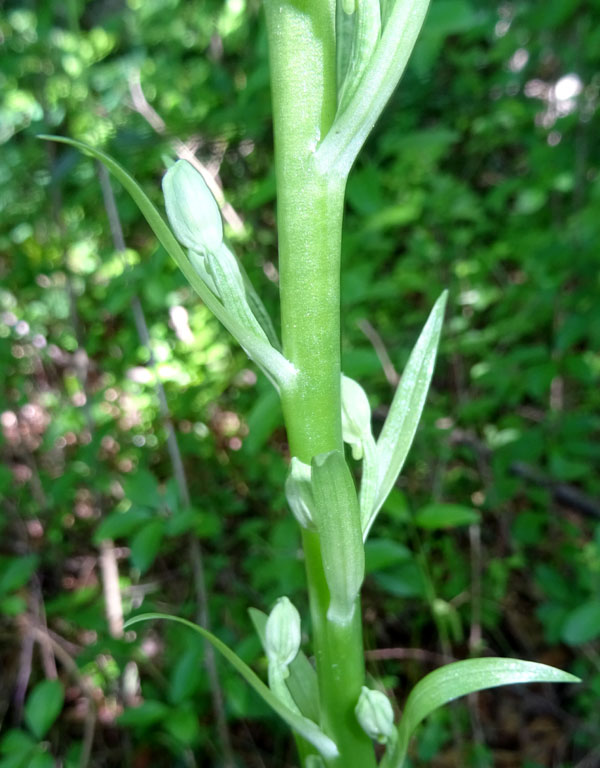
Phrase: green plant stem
{"type": "Point", "coordinates": [309, 216]}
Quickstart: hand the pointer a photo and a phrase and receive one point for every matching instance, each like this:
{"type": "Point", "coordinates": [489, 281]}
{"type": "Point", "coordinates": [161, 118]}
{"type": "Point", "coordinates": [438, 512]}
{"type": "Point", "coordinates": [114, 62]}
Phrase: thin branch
{"type": "Point", "coordinates": [391, 374]}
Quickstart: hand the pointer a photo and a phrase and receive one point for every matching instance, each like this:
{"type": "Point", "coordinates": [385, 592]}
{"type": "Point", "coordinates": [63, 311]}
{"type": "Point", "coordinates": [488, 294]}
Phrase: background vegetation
{"type": "Point", "coordinates": [483, 177]}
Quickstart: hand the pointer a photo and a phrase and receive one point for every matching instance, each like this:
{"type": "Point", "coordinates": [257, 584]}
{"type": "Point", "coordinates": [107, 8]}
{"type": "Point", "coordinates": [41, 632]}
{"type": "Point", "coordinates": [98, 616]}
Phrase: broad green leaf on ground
{"type": "Point", "coordinates": [43, 706]}
{"type": "Point", "coordinates": [436, 516]}
{"type": "Point", "coordinates": [145, 545]}
{"type": "Point", "coordinates": [148, 713]}
{"type": "Point", "coordinates": [459, 679]}
{"type": "Point", "coordinates": [119, 524]}
{"type": "Point", "coordinates": [15, 572]}
{"type": "Point", "coordinates": [383, 553]}
{"type": "Point", "coordinates": [582, 625]}
{"type": "Point", "coordinates": [306, 728]}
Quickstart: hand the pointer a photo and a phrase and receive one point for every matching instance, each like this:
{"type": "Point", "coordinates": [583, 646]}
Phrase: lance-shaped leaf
{"type": "Point", "coordinates": [341, 145]}
{"type": "Point", "coordinates": [302, 681]}
{"type": "Point", "coordinates": [338, 523]}
{"type": "Point", "coordinates": [299, 495]}
{"type": "Point", "coordinates": [367, 27]}
{"type": "Point", "coordinates": [459, 679]}
{"type": "Point", "coordinates": [403, 418]}
{"type": "Point", "coordinates": [272, 362]}
{"type": "Point", "coordinates": [306, 728]}
{"type": "Point", "coordinates": [344, 32]}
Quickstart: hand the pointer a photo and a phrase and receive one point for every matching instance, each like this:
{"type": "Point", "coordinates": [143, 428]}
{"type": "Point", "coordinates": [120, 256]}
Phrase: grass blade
{"type": "Point", "coordinates": [306, 728]}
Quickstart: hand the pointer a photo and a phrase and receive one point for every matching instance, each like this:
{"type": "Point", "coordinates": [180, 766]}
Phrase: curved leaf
{"type": "Point", "coordinates": [306, 728]}
{"type": "Point", "coordinates": [403, 418]}
{"type": "Point", "coordinates": [269, 359]}
{"type": "Point", "coordinates": [341, 145]}
{"type": "Point", "coordinates": [459, 679]}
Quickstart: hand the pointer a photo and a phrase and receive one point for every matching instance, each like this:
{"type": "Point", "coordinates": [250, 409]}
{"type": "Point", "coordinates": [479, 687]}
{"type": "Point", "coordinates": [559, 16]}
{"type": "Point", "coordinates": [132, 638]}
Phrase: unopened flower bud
{"type": "Point", "coordinates": [356, 416]}
{"type": "Point", "coordinates": [298, 492]}
{"type": "Point", "coordinates": [192, 210]}
{"type": "Point", "coordinates": [282, 634]}
{"type": "Point", "coordinates": [375, 715]}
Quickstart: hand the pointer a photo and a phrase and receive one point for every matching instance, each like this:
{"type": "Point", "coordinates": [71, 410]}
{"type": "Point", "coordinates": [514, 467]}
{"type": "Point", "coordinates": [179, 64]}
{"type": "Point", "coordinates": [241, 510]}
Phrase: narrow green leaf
{"type": "Point", "coordinates": [436, 516]}
{"type": "Point", "coordinates": [344, 33]}
{"type": "Point", "coordinates": [351, 127]}
{"type": "Point", "coordinates": [337, 515]}
{"type": "Point", "coordinates": [306, 728]}
{"type": "Point", "coordinates": [43, 706]}
{"type": "Point", "coordinates": [459, 679]}
{"type": "Point", "coordinates": [302, 682]}
{"type": "Point", "coordinates": [273, 363]}
{"type": "Point", "coordinates": [405, 412]}
{"type": "Point", "coordinates": [367, 27]}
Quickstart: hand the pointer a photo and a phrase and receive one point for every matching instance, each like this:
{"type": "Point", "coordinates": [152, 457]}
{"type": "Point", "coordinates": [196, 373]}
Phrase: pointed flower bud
{"type": "Point", "coordinates": [356, 417]}
{"type": "Point", "coordinates": [282, 634]}
{"type": "Point", "coordinates": [375, 715]}
{"type": "Point", "coordinates": [192, 210]}
{"type": "Point", "coordinates": [298, 492]}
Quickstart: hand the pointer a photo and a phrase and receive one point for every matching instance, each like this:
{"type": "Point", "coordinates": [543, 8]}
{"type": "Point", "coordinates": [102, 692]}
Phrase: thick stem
{"type": "Point", "coordinates": [309, 217]}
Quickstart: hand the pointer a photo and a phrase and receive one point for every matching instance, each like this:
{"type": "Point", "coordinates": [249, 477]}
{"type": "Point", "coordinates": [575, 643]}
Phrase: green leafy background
{"type": "Point", "coordinates": [482, 177]}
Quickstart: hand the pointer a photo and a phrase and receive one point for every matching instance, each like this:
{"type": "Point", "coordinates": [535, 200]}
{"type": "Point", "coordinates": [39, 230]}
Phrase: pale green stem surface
{"type": "Point", "coordinates": [309, 216]}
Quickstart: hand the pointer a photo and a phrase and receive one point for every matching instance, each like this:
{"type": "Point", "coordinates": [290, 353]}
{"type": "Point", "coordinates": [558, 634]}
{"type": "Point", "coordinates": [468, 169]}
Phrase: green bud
{"type": "Point", "coordinates": [192, 210]}
{"type": "Point", "coordinates": [299, 494]}
{"type": "Point", "coordinates": [282, 634]}
{"type": "Point", "coordinates": [375, 715]}
{"type": "Point", "coordinates": [356, 417]}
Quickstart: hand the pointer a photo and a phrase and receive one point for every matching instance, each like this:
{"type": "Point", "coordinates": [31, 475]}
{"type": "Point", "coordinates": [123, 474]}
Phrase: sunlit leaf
{"type": "Point", "coordinates": [268, 358]}
{"type": "Point", "coordinates": [459, 679]}
{"type": "Point", "coordinates": [403, 418]}
{"type": "Point", "coordinates": [306, 728]}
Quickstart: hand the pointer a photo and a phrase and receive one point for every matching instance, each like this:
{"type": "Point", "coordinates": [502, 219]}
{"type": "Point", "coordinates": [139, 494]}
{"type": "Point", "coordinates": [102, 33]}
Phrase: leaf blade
{"type": "Point", "coordinates": [306, 728]}
{"type": "Point", "coordinates": [407, 406]}
{"type": "Point", "coordinates": [268, 358]}
{"type": "Point", "coordinates": [452, 681]}
{"type": "Point", "coordinates": [43, 706]}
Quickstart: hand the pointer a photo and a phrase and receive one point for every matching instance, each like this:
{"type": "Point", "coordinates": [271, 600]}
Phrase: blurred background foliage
{"type": "Point", "coordinates": [483, 177]}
